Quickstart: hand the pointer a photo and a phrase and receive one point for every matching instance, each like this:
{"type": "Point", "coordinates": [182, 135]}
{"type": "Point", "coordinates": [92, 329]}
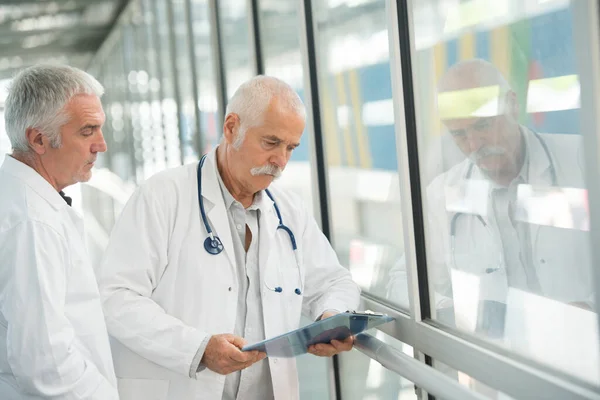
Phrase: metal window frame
{"type": "Point", "coordinates": [587, 49]}
{"type": "Point", "coordinates": [176, 83]}
{"type": "Point", "coordinates": [189, 25]}
{"type": "Point", "coordinates": [218, 62]}
{"type": "Point", "coordinates": [254, 29]}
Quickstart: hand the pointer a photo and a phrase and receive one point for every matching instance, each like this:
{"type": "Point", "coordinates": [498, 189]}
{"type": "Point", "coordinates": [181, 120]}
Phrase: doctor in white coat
{"type": "Point", "coordinates": [180, 303]}
{"type": "Point", "coordinates": [53, 338]}
{"type": "Point", "coordinates": [478, 220]}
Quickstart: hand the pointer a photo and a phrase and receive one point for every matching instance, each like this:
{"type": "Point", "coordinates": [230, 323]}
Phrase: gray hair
{"type": "Point", "coordinates": [37, 97]}
{"type": "Point", "coordinates": [252, 98]}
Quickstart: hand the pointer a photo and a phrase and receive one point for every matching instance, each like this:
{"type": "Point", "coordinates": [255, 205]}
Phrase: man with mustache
{"type": "Point", "coordinates": [202, 262]}
{"type": "Point", "coordinates": [477, 223]}
{"type": "Point", "coordinates": [52, 328]}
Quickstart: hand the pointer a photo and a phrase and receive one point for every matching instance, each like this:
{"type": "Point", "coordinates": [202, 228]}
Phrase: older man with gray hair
{"type": "Point", "coordinates": [53, 334]}
{"type": "Point", "coordinates": [210, 256]}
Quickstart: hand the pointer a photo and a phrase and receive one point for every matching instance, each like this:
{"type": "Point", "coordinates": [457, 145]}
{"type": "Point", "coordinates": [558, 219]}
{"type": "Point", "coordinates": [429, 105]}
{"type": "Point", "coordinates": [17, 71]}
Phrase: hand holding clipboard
{"type": "Point", "coordinates": [338, 327]}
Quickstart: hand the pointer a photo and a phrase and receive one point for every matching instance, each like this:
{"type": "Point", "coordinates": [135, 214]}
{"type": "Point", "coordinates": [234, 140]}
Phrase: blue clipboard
{"type": "Point", "coordinates": [337, 327]}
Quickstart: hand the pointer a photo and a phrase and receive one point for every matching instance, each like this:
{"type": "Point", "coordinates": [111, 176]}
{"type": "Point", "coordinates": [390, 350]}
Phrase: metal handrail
{"type": "Point", "coordinates": [422, 375]}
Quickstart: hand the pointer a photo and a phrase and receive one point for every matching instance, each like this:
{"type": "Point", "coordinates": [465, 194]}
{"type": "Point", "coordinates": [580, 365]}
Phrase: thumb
{"type": "Point", "coordinates": [237, 341]}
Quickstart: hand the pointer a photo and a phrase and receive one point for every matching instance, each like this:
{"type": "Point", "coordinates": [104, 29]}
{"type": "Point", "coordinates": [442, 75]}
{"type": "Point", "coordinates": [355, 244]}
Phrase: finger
{"type": "Point", "coordinates": [242, 356]}
{"type": "Point", "coordinates": [344, 345]}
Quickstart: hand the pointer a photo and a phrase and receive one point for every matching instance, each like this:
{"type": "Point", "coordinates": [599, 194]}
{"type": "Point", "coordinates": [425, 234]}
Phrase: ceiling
{"type": "Point", "coordinates": [65, 31]}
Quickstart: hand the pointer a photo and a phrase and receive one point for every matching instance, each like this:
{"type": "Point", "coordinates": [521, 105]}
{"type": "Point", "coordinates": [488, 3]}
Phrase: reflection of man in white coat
{"type": "Point", "coordinates": [476, 203]}
{"type": "Point", "coordinates": [53, 337]}
{"type": "Point", "coordinates": [179, 314]}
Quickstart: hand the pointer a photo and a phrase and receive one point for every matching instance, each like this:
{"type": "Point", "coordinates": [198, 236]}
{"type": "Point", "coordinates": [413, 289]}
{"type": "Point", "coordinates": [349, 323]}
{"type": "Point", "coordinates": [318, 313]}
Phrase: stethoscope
{"type": "Point", "coordinates": [214, 246]}
{"type": "Point", "coordinates": [458, 214]}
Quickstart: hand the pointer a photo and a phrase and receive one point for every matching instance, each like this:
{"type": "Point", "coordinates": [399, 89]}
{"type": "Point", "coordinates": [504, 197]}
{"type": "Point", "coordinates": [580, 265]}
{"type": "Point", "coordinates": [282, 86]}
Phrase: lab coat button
{"type": "Point", "coordinates": [229, 288]}
{"type": "Point", "coordinates": [239, 227]}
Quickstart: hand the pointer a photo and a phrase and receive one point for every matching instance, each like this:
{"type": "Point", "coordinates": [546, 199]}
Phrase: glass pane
{"type": "Point", "coordinates": [168, 104]}
{"type": "Point", "coordinates": [280, 41]}
{"type": "Point", "coordinates": [358, 125]}
{"type": "Point", "coordinates": [471, 383]}
{"type": "Point", "coordinates": [362, 378]}
{"type": "Point", "coordinates": [235, 37]}
{"type": "Point", "coordinates": [207, 91]}
{"type": "Point", "coordinates": [500, 135]}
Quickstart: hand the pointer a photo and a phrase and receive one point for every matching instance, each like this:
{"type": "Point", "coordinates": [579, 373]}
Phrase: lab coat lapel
{"type": "Point", "coordinates": [214, 206]}
{"type": "Point", "coordinates": [268, 228]}
{"type": "Point", "coordinates": [540, 172]}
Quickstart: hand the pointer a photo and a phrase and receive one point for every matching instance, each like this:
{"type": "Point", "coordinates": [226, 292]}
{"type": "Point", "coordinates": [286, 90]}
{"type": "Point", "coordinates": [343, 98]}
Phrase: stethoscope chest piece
{"type": "Point", "coordinates": [213, 245]}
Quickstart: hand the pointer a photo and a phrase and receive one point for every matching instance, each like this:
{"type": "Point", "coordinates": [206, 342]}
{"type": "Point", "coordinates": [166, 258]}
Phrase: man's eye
{"type": "Point", "coordinates": [458, 134]}
{"type": "Point", "coordinates": [482, 126]}
{"type": "Point", "coordinates": [271, 143]}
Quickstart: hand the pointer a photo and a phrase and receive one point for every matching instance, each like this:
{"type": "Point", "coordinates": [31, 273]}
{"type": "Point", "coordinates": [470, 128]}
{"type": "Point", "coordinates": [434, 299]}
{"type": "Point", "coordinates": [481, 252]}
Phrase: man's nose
{"type": "Point", "coordinates": [474, 142]}
{"type": "Point", "coordinates": [100, 145]}
{"type": "Point", "coordinates": [280, 157]}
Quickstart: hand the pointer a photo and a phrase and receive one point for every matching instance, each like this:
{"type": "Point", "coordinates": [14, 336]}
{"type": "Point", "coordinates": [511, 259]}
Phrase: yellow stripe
{"type": "Point", "coordinates": [332, 143]}
{"type": "Point", "coordinates": [466, 46]}
{"type": "Point", "coordinates": [440, 60]}
{"type": "Point", "coordinates": [500, 49]}
{"type": "Point", "coordinates": [341, 93]}
{"type": "Point", "coordinates": [364, 153]}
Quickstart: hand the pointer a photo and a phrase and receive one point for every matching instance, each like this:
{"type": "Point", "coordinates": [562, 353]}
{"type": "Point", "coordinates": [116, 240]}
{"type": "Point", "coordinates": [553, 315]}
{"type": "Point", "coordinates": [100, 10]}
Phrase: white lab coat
{"type": "Point", "coordinates": [561, 257]}
{"type": "Point", "coordinates": [54, 339]}
{"type": "Point", "coordinates": [164, 294]}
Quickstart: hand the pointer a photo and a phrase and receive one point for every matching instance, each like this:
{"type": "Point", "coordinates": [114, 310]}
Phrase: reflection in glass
{"type": "Point", "coordinates": [507, 223]}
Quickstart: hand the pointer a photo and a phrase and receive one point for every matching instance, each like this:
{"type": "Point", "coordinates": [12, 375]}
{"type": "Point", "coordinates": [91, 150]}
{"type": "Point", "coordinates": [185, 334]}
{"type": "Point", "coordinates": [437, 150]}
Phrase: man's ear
{"type": "Point", "coordinates": [231, 127]}
{"type": "Point", "coordinates": [37, 141]}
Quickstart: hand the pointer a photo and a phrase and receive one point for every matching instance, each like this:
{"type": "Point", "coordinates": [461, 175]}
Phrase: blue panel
{"type": "Point", "coordinates": [382, 142]}
{"type": "Point", "coordinates": [451, 52]}
{"type": "Point", "coordinates": [375, 82]}
{"type": "Point", "coordinates": [482, 45]}
{"type": "Point", "coordinates": [559, 122]}
{"type": "Point", "coordinates": [552, 43]}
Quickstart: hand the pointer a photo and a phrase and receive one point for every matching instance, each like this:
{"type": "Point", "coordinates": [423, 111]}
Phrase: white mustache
{"type": "Point", "coordinates": [486, 151]}
{"type": "Point", "coordinates": [268, 169]}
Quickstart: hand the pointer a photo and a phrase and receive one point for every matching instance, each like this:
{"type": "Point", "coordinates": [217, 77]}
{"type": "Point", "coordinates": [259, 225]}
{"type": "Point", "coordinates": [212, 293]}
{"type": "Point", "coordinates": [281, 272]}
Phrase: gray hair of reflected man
{"type": "Point", "coordinates": [252, 98]}
{"type": "Point", "coordinates": [37, 97]}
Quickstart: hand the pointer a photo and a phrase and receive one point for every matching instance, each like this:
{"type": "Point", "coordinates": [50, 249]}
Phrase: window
{"type": "Point", "coordinates": [358, 126]}
{"type": "Point", "coordinates": [501, 136]}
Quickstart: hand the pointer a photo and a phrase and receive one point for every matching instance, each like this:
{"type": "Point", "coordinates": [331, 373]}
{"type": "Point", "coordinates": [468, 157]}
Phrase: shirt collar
{"type": "Point", "coordinates": [34, 180]}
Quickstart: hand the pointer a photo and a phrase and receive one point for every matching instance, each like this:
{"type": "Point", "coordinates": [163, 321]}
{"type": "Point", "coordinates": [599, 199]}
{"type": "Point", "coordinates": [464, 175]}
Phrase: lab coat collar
{"type": "Point", "coordinates": [539, 160]}
{"type": "Point", "coordinates": [34, 180]}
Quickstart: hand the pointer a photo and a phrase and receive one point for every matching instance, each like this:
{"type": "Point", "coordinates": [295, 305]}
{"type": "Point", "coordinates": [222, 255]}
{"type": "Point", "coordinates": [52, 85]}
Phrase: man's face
{"type": "Point", "coordinates": [266, 149]}
{"type": "Point", "coordinates": [492, 143]}
{"type": "Point", "coordinates": [82, 140]}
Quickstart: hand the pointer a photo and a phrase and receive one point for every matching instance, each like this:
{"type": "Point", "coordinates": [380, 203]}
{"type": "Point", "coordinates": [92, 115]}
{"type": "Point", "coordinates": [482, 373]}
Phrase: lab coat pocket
{"type": "Point", "coordinates": [147, 389]}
